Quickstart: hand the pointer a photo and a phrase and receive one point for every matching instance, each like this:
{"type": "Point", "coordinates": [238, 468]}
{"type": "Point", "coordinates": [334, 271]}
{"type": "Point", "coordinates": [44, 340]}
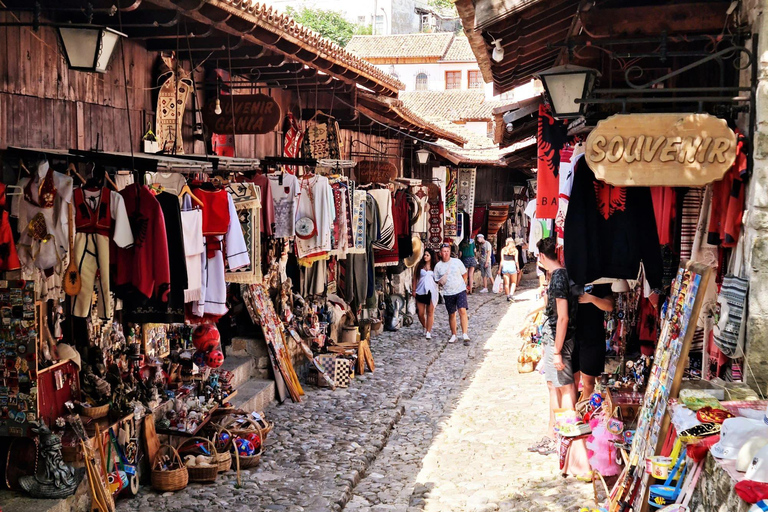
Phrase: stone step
{"type": "Point", "coordinates": [254, 395]}
{"type": "Point", "coordinates": [242, 346]}
{"type": "Point", "coordinates": [243, 368]}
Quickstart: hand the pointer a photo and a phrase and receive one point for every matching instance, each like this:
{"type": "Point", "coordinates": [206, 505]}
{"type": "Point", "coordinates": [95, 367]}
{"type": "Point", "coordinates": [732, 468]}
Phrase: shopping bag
{"type": "Point", "coordinates": [497, 284]}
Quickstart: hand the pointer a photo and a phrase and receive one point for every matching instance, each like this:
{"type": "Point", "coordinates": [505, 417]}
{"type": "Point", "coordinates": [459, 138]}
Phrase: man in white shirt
{"type": "Point", "coordinates": [451, 275]}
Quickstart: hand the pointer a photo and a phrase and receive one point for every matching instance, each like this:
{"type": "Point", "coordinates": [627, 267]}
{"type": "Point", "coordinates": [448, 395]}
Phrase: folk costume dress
{"type": "Point", "coordinates": [9, 258]}
{"type": "Point", "coordinates": [222, 232]}
{"type": "Point", "coordinates": [99, 215]}
{"type": "Point", "coordinates": [316, 203]}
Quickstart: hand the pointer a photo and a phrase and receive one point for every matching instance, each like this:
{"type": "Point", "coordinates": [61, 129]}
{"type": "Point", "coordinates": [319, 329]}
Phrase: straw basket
{"type": "Point", "coordinates": [169, 480]}
{"type": "Point", "coordinates": [223, 458]}
{"type": "Point", "coordinates": [95, 412]}
{"type": "Point", "coordinates": [204, 474]}
{"type": "Point", "coordinates": [243, 425]}
{"type": "Point", "coordinates": [249, 461]}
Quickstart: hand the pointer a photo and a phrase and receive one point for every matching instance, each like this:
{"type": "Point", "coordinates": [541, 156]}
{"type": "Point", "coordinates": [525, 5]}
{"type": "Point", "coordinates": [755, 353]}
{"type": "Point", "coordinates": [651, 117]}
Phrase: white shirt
{"type": "Point", "coordinates": [455, 271]}
{"type": "Point", "coordinates": [285, 188]}
{"type": "Point", "coordinates": [122, 234]}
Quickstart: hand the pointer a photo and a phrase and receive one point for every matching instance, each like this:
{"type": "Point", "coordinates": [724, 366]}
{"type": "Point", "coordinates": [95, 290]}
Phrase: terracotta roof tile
{"type": "Point", "coordinates": [401, 45]}
{"type": "Point", "coordinates": [454, 105]}
{"type": "Point", "coordinates": [460, 51]}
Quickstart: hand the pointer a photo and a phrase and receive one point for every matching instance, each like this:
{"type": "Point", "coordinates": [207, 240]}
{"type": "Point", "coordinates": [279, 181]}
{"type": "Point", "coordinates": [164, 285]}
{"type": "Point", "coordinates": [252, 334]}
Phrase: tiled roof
{"type": "Point", "coordinates": [478, 150]}
{"type": "Point", "coordinates": [452, 105]}
{"type": "Point", "coordinates": [460, 51]}
{"type": "Point", "coordinates": [401, 45]}
{"type": "Point", "coordinates": [285, 27]}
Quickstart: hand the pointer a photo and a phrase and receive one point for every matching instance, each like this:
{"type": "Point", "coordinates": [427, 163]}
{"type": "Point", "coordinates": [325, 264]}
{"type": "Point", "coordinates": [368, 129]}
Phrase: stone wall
{"type": "Point", "coordinates": [715, 493]}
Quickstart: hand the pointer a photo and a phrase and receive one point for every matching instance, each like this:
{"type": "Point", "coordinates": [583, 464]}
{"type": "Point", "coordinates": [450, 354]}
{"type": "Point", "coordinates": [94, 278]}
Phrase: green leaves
{"type": "Point", "coordinates": [328, 23]}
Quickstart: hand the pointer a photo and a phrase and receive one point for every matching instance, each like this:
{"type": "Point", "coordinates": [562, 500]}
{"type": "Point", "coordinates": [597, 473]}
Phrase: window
{"type": "Point", "coordinates": [422, 82]}
{"type": "Point", "coordinates": [474, 79]}
{"type": "Point", "coordinates": [379, 25]}
{"type": "Point", "coordinates": [452, 80]}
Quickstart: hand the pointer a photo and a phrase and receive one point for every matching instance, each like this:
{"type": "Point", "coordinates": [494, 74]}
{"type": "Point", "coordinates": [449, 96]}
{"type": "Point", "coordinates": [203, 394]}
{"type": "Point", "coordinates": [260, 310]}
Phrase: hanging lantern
{"type": "Point", "coordinates": [565, 85]}
{"type": "Point", "coordinates": [88, 47]}
{"type": "Point", "coordinates": [422, 155]}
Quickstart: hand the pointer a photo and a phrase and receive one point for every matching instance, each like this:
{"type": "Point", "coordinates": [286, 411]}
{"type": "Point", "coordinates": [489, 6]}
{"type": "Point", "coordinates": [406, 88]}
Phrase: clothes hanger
{"type": "Point", "coordinates": [23, 167]}
{"type": "Point", "coordinates": [187, 191]}
{"type": "Point", "coordinates": [71, 169]}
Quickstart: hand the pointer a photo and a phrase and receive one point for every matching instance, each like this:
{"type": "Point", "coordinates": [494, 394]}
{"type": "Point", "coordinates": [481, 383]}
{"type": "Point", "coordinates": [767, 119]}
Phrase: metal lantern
{"type": "Point", "coordinates": [564, 85]}
{"type": "Point", "coordinates": [88, 47]}
{"type": "Point", "coordinates": [422, 155]}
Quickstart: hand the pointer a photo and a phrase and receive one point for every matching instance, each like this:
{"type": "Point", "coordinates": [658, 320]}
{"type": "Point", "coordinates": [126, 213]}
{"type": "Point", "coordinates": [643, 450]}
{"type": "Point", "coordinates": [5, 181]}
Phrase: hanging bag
{"type": "Point", "coordinates": [497, 282]}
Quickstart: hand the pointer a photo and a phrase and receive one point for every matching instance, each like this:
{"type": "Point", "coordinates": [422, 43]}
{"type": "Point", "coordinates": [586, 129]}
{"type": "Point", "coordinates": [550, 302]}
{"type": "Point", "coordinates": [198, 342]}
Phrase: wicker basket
{"type": "Point", "coordinates": [204, 474]}
{"type": "Point", "coordinates": [249, 461]}
{"type": "Point", "coordinates": [169, 480]}
{"type": "Point", "coordinates": [223, 458]}
{"type": "Point", "coordinates": [95, 412]}
{"type": "Point", "coordinates": [228, 417]}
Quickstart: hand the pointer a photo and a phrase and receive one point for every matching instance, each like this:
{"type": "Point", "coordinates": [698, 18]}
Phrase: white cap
{"type": "Point", "coordinates": [758, 468]}
{"type": "Point", "coordinates": [734, 434]}
{"type": "Point", "coordinates": [748, 451]}
{"type": "Point", "coordinates": [760, 506]}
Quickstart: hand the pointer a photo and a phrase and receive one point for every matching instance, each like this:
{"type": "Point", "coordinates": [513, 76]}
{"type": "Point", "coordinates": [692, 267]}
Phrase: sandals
{"type": "Point", "coordinates": [587, 478]}
{"type": "Point", "coordinates": [542, 443]}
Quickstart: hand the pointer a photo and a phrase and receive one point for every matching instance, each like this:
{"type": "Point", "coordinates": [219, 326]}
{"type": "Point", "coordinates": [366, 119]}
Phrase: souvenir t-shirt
{"type": "Point", "coordinates": [285, 188]}
{"type": "Point", "coordinates": [590, 320]}
{"type": "Point", "coordinates": [560, 288]}
{"type": "Point", "coordinates": [454, 269]}
{"type": "Point", "coordinates": [172, 182]}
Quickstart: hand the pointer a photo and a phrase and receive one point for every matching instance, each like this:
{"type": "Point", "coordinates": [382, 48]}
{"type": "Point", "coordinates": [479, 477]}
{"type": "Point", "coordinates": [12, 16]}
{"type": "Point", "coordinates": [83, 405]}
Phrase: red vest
{"type": "Point", "coordinates": [90, 221]}
{"type": "Point", "coordinates": [215, 211]}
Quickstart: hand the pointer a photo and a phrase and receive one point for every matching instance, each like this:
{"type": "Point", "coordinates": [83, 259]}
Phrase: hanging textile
{"type": "Point", "coordinates": [702, 251]}
{"type": "Point", "coordinates": [339, 233]}
{"type": "Point", "coordinates": [267, 220]}
{"type": "Point", "coordinates": [691, 208]}
{"type": "Point", "coordinates": [497, 216]}
{"type": "Point", "coordinates": [387, 239]}
{"type": "Point", "coordinates": [223, 144]}
{"type": "Point", "coordinates": [358, 222]}
{"type": "Point", "coordinates": [664, 208]}
{"type": "Point", "coordinates": [401, 233]}
{"type": "Point", "coordinates": [551, 137]}
{"type": "Point", "coordinates": [728, 202]}
{"type": "Point", "coordinates": [321, 141]}
{"type": "Point", "coordinates": [171, 103]}
{"type": "Point", "coordinates": [293, 139]}
{"type": "Point", "coordinates": [466, 192]}
{"type": "Point", "coordinates": [284, 191]}
{"type": "Point", "coordinates": [568, 158]}
{"type": "Point", "coordinates": [478, 220]}
{"type": "Point", "coordinates": [436, 217]}
{"type": "Point", "coordinates": [246, 197]}
{"type": "Point", "coordinates": [315, 203]}
{"type": "Point", "coordinates": [451, 197]}
{"type": "Point", "coordinates": [194, 245]}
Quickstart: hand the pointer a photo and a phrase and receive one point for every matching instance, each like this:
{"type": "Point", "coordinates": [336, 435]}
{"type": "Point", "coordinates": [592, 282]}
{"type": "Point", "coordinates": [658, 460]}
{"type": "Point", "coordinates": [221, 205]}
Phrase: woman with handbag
{"type": "Point", "coordinates": [425, 291]}
{"type": "Point", "coordinates": [509, 267]}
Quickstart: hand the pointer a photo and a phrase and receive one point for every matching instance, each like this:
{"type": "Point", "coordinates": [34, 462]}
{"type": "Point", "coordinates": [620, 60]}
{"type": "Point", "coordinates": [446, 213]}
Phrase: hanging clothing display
{"type": "Point", "coordinates": [99, 215]}
{"type": "Point", "coordinates": [702, 251]}
{"type": "Point", "coordinates": [247, 205]}
{"type": "Point", "coordinates": [321, 141]}
{"type": "Point", "coordinates": [478, 220]}
{"type": "Point", "coordinates": [497, 216]}
{"type": "Point", "coordinates": [171, 103]}
{"type": "Point", "coordinates": [143, 269]}
{"type": "Point", "coordinates": [421, 196]}
{"type": "Point", "coordinates": [664, 208]}
{"type": "Point", "coordinates": [451, 211]}
{"type": "Point", "coordinates": [400, 229]}
{"type": "Point", "coordinates": [466, 191]}
{"type": "Point", "coordinates": [436, 217]}
{"type": "Point", "coordinates": [293, 139]}
{"type": "Point", "coordinates": [690, 218]}
{"type": "Point", "coordinates": [315, 210]}
{"type": "Point", "coordinates": [156, 309]}
{"type": "Point", "coordinates": [358, 222]}
{"type": "Point", "coordinates": [172, 182]}
{"type": "Point", "coordinates": [728, 202]}
{"type": "Point", "coordinates": [551, 138]}
{"type": "Point", "coordinates": [284, 191]}
{"type": "Point", "coordinates": [194, 245]}
{"type": "Point", "coordinates": [222, 231]}
{"type": "Point", "coordinates": [383, 199]}
{"type": "Point", "coordinates": [608, 233]}
{"type": "Point", "coordinates": [568, 159]}
{"type": "Point", "coordinates": [267, 203]}
{"type": "Point", "coordinates": [340, 228]}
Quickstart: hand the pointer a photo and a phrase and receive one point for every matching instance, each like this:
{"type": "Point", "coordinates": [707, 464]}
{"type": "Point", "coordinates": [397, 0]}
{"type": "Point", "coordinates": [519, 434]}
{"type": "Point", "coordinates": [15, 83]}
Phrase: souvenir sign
{"type": "Point", "coordinates": [673, 150]}
{"type": "Point", "coordinates": [375, 171]}
{"type": "Point", "coordinates": [243, 113]}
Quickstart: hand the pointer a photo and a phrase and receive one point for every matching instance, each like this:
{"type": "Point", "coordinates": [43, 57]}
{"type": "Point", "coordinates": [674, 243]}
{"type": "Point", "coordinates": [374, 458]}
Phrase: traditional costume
{"type": "Point", "coordinates": [99, 215]}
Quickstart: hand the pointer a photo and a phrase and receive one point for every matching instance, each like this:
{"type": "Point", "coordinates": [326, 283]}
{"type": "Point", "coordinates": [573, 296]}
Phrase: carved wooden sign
{"type": "Point", "coordinates": [253, 114]}
{"type": "Point", "coordinates": [375, 171]}
{"type": "Point", "coordinates": [675, 150]}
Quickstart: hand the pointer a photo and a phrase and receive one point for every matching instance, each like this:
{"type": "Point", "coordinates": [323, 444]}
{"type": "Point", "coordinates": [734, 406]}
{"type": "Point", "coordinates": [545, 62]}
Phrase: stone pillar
{"type": "Point", "coordinates": [756, 228]}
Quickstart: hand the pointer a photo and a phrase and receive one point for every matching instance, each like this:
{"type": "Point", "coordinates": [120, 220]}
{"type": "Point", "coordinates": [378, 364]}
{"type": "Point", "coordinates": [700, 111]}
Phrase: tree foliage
{"type": "Point", "coordinates": [328, 23]}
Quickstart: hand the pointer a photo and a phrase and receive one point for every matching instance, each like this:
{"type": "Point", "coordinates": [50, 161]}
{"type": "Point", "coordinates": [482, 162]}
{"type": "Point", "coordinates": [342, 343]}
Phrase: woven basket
{"type": "Point", "coordinates": [246, 427]}
{"type": "Point", "coordinates": [204, 474]}
{"type": "Point", "coordinates": [223, 458]}
{"type": "Point", "coordinates": [95, 412]}
{"type": "Point", "coordinates": [249, 461]}
{"type": "Point", "coordinates": [170, 480]}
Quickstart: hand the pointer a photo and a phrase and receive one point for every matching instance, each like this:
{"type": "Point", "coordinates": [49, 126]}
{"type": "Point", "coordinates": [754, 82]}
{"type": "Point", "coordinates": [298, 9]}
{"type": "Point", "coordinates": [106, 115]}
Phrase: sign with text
{"type": "Point", "coordinates": [673, 150]}
{"type": "Point", "coordinates": [375, 171]}
{"type": "Point", "coordinates": [243, 114]}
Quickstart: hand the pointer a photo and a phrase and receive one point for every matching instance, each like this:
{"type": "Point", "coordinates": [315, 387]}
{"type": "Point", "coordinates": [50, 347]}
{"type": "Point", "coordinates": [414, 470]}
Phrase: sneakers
{"type": "Point", "coordinates": [428, 335]}
{"type": "Point", "coordinates": [466, 339]}
{"type": "Point", "coordinates": [453, 339]}
{"type": "Point", "coordinates": [484, 290]}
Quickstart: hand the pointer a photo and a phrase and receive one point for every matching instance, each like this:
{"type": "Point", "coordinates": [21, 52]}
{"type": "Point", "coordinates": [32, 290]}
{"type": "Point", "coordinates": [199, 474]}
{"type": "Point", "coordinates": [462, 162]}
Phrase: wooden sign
{"type": "Point", "coordinates": [375, 171]}
{"type": "Point", "coordinates": [674, 150]}
{"type": "Point", "coordinates": [253, 114]}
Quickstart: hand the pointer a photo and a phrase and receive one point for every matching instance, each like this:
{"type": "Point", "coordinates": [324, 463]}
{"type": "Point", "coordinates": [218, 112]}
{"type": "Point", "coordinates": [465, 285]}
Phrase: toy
{"type": "Point", "coordinates": [245, 448]}
{"type": "Point", "coordinates": [214, 358]}
{"type": "Point", "coordinates": [199, 358]}
{"type": "Point", "coordinates": [205, 337]}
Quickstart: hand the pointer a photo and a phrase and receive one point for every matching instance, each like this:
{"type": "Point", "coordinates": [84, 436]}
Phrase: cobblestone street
{"type": "Point", "coordinates": [437, 427]}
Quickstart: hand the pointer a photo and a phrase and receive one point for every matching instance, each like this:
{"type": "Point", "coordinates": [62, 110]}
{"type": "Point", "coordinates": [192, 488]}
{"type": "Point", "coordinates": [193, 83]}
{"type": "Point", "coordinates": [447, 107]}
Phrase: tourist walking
{"type": "Point", "coordinates": [484, 261]}
{"type": "Point", "coordinates": [451, 275]}
{"type": "Point", "coordinates": [509, 267]}
{"type": "Point", "coordinates": [467, 249]}
{"type": "Point", "coordinates": [425, 291]}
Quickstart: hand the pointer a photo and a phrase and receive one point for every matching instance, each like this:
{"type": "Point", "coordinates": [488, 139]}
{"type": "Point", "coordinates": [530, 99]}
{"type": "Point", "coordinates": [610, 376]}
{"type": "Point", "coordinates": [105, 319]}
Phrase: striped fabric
{"type": "Point", "coordinates": [691, 210]}
{"type": "Point", "coordinates": [731, 301]}
{"type": "Point", "coordinates": [497, 216]}
{"type": "Point", "coordinates": [387, 226]}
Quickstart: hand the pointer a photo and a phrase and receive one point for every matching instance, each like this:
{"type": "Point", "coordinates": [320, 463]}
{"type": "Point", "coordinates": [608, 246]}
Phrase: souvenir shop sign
{"type": "Point", "coordinates": [375, 171]}
{"type": "Point", "coordinates": [674, 150]}
{"type": "Point", "coordinates": [253, 114]}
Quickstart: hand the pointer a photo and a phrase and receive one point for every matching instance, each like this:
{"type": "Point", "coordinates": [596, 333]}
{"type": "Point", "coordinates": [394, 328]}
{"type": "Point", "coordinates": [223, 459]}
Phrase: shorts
{"type": "Point", "coordinates": [559, 378]}
{"type": "Point", "coordinates": [591, 358]}
{"type": "Point", "coordinates": [425, 299]}
{"type": "Point", "coordinates": [485, 271]}
{"type": "Point", "coordinates": [455, 302]}
{"type": "Point", "coordinates": [508, 268]}
{"type": "Point", "coordinates": [469, 261]}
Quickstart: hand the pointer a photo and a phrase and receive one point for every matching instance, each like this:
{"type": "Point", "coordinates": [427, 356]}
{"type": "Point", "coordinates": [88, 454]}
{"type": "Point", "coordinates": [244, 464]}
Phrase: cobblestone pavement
{"type": "Point", "coordinates": [437, 427]}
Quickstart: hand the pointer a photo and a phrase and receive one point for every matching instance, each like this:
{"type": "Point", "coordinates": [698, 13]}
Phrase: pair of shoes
{"type": "Point", "coordinates": [536, 446]}
{"type": "Point", "coordinates": [453, 339]}
{"type": "Point", "coordinates": [484, 290]}
{"type": "Point", "coordinates": [509, 298]}
{"type": "Point", "coordinates": [466, 339]}
{"type": "Point", "coordinates": [586, 478]}
{"type": "Point", "coordinates": [428, 335]}
{"type": "Point", "coordinates": [549, 448]}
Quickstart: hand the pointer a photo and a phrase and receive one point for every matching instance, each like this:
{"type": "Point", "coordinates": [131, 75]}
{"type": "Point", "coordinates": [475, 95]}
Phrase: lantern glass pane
{"type": "Point", "coordinates": [564, 90]}
{"type": "Point", "coordinates": [81, 45]}
{"type": "Point", "coordinates": [109, 40]}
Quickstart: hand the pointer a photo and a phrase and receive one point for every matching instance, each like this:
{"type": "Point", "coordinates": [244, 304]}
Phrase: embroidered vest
{"type": "Point", "coordinates": [89, 221]}
{"type": "Point", "coordinates": [46, 192]}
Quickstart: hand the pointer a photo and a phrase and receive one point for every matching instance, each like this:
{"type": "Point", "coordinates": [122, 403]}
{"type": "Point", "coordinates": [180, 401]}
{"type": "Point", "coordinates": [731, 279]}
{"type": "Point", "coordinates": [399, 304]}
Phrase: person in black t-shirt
{"type": "Point", "coordinates": [590, 334]}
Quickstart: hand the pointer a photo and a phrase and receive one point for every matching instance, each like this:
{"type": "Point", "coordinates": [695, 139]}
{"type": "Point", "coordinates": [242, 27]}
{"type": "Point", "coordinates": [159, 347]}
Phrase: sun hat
{"type": "Point", "coordinates": [748, 452]}
{"type": "Point", "coordinates": [418, 253]}
{"type": "Point", "coordinates": [734, 434]}
{"type": "Point", "coordinates": [758, 468]}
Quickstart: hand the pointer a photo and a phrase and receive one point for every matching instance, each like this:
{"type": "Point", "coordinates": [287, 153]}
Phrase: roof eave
{"type": "Point", "coordinates": [466, 10]}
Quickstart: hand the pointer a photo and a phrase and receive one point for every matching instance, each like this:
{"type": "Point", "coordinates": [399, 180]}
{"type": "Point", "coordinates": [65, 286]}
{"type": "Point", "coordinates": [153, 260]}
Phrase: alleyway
{"type": "Point", "coordinates": [437, 427]}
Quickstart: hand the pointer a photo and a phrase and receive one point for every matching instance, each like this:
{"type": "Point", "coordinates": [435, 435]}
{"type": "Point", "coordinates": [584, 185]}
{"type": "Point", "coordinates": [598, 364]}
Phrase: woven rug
{"type": "Point", "coordinates": [497, 216]}
{"type": "Point", "coordinates": [435, 219]}
{"type": "Point", "coordinates": [451, 203]}
{"type": "Point", "coordinates": [478, 220]}
{"type": "Point", "coordinates": [466, 191]}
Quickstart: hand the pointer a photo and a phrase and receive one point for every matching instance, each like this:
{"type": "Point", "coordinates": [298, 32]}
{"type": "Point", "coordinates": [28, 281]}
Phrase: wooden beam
{"type": "Point", "coordinates": [673, 18]}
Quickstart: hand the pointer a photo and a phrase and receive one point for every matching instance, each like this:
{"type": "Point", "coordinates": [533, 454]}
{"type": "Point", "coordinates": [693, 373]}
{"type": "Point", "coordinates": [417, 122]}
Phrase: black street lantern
{"type": "Point", "coordinates": [564, 85]}
{"type": "Point", "coordinates": [88, 47]}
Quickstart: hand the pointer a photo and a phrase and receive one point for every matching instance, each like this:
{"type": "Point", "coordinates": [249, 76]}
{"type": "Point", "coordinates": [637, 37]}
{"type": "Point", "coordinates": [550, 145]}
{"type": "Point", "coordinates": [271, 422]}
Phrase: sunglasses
{"type": "Point", "coordinates": [443, 246]}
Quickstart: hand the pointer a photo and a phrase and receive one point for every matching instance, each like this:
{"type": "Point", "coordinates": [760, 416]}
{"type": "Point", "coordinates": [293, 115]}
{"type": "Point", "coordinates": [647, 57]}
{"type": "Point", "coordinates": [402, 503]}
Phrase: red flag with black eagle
{"type": "Point", "coordinates": [551, 138]}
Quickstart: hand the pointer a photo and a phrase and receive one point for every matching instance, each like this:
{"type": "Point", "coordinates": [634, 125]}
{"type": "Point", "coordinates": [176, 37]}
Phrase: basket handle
{"type": "Point", "coordinates": [173, 452]}
{"type": "Point", "coordinates": [217, 434]}
{"type": "Point", "coordinates": [214, 453]}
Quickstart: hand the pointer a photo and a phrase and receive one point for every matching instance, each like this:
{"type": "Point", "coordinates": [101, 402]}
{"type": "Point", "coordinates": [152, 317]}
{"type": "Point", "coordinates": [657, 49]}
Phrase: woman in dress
{"type": "Point", "coordinates": [509, 267]}
{"type": "Point", "coordinates": [425, 291]}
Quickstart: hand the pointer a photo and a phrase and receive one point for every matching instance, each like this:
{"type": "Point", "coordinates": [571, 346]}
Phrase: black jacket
{"type": "Point", "coordinates": [609, 231]}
